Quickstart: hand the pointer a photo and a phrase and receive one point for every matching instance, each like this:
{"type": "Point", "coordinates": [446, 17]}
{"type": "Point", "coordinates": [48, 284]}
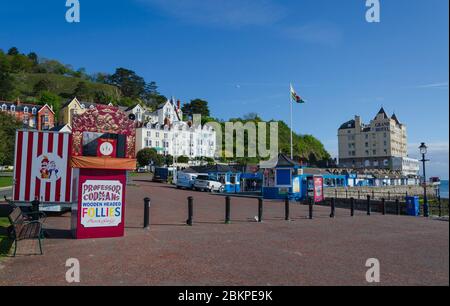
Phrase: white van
{"type": "Point", "coordinates": [186, 180]}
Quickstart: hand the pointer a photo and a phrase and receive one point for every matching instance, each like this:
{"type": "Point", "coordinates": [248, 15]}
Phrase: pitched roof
{"type": "Point", "coordinates": [348, 125]}
{"type": "Point", "coordinates": [281, 161]}
{"type": "Point", "coordinates": [382, 112]}
{"type": "Point", "coordinates": [21, 106]}
{"type": "Point", "coordinates": [394, 117]}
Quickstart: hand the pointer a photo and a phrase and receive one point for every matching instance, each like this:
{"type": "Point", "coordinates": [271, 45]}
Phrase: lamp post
{"type": "Point", "coordinates": [423, 150]}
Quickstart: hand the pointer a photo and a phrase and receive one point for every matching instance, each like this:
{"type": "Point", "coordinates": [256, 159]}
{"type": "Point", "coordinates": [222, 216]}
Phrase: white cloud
{"type": "Point", "coordinates": [435, 85]}
{"type": "Point", "coordinates": [222, 13]}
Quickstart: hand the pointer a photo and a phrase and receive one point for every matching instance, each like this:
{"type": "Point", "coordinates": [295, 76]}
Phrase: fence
{"type": "Point", "coordinates": [375, 194]}
{"type": "Point", "coordinates": [368, 205]}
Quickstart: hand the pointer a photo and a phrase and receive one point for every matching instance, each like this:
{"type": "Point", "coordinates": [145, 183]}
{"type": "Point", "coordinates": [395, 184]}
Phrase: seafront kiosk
{"type": "Point", "coordinates": [281, 178]}
{"type": "Point", "coordinates": [102, 152]}
{"type": "Point", "coordinates": [284, 177]}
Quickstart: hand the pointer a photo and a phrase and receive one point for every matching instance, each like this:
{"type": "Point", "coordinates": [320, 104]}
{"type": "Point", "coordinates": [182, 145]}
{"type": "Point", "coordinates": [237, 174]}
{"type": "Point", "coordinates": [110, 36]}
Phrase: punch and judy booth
{"type": "Point", "coordinates": [103, 150]}
{"type": "Point", "coordinates": [41, 169]}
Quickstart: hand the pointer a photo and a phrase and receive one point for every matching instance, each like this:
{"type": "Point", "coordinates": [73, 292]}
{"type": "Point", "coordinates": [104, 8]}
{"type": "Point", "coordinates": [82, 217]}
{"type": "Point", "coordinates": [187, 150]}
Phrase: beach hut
{"type": "Point", "coordinates": [227, 175]}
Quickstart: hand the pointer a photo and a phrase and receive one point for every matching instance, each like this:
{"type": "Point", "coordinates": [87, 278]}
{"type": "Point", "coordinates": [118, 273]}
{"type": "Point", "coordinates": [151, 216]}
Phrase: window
{"type": "Point", "coordinates": [25, 109]}
{"type": "Point", "coordinates": [374, 152]}
{"type": "Point", "coordinates": [13, 108]}
{"type": "Point", "coordinates": [367, 144]}
{"type": "Point", "coordinates": [4, 107]}
{"type": "Point", "coordinates": [157, 134]}
{"type": "Point", "coordinates": [33, 110]}
{"type": "Point", "coordinates": [149, 134]}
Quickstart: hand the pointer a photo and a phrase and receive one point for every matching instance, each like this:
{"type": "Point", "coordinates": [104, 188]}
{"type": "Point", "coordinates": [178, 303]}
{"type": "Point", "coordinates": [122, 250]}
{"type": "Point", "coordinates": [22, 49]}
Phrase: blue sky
{"type": "Point", "coordinates": [240, 55]}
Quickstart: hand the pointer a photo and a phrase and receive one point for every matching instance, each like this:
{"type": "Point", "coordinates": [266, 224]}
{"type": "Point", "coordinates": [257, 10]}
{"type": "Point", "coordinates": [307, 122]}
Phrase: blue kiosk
{"type": "Point", "coordinates": [284, 177]}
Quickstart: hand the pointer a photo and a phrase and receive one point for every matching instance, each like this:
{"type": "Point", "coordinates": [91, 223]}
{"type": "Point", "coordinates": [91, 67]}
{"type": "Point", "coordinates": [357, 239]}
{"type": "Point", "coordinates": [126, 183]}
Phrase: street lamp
{"type": "Point", "coordinates": [423, 150]}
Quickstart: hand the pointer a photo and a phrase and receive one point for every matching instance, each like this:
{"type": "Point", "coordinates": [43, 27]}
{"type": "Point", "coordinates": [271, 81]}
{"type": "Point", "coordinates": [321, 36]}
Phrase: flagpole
{"type": "Point", "coordinates": [290, 102]}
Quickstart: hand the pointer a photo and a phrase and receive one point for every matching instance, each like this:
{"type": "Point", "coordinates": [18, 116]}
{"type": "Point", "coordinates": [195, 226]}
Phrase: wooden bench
{"type": "Point", "coordinates": [24, 229]}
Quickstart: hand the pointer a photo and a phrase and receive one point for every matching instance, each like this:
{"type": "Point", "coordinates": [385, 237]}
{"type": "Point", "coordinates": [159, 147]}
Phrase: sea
{"type": "Point", "coordinates": [444, 189]}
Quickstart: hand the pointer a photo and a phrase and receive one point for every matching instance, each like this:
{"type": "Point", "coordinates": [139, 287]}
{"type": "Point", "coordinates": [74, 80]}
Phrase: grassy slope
{"type": "Point", "coordinates": [62, 84]}
{"type": "Point", "coordinates": [6, 181]}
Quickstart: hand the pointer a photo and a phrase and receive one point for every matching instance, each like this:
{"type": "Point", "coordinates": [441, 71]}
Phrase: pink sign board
{"type": "Point", "coordinates": [318, 189]}
{"type": "Point", "coordinates": [101, 204]}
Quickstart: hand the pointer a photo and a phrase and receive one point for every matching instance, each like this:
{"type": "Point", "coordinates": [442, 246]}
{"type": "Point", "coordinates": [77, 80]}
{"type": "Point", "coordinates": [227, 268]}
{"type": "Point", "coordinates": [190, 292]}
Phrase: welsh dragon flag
{"type": "Point", "coordinates": [296, 97]}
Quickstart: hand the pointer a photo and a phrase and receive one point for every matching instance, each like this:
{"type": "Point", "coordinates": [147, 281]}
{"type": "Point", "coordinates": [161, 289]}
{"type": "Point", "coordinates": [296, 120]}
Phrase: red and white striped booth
{"type": "Point", "coordinates": [42, 167]}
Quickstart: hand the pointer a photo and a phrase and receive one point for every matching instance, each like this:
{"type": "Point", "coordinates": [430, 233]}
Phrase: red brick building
{"type": "Point", "coordinates": [40, 117]}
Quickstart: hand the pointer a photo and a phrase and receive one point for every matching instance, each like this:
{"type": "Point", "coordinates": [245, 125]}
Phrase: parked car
{"type": "Point", "coordinates": [186, 180]}
{"type": "Point", "coordinates": [205, 183]}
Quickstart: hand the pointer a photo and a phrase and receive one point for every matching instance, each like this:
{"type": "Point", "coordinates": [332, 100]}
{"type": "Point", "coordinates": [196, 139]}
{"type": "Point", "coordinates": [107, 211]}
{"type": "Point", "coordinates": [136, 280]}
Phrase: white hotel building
{"type": "Point", "coordinates": [168, 134]}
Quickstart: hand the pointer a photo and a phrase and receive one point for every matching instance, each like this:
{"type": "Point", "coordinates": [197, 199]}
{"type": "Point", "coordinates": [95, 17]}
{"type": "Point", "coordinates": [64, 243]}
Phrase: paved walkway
{"type": "Point", "coordinates": [323, 251]}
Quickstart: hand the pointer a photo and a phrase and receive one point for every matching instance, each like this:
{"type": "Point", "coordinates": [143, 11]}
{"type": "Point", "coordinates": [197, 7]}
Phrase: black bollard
{"type": "Point", "coordinates": [190, 211]}
{"type": "Point", "coordinates": [333, 208]}
{"type": "Point", "coordinates": [286, 209]}
{"type": "Point", "coordinates": [397, 204]}
{"type": "Point", "coordinates": [260, 209]}
{"type": "Point", "coordinates": [147, 202]}
{"type": "Point", "coordinates": [369, 212]}
{"type": "Point", "coordinates": [383, 206]}
{"type": "Point", "coordinates": [440, 206]}
{"type": "Point", "coordinates": [227, 210]}
{"type": "Point", "coordinates": [310, 201]}
{"type": "Point", "coordinates": [352, 207]}
{"type": "Point", "coordinates": [35, 209]}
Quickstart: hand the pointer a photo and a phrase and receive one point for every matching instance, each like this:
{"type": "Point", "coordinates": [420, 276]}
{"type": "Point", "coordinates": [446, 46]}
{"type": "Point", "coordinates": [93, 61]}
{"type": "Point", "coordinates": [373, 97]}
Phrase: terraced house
{"type": "Point", "coordinates": [39, 117]}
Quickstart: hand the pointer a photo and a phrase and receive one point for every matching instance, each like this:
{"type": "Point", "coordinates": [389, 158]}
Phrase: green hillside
{"type": "Point", "coordinates": [307, 148]}
{"type": "Point", "coordinates": [61, 85]}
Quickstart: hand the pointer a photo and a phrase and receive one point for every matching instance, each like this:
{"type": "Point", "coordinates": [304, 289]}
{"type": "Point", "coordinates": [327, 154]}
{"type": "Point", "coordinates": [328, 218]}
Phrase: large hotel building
{"type": "Point", "coordinates": [380, 144]}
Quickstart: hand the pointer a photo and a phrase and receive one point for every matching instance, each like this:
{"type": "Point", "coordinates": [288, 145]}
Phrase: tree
{"type": "Point", "coordinates": [8, 126]}
{"type": "Point", "coordinates": [51, 99]}
{"type": "Point", "coordinates": [33, 58]}
{"type": "Point", "coordinates": [151, 97]}
{"type": "Point", "coordinates": [13, 51]}
{"type": "Point", "coordinates": [196, 106]}
{"type": "Point", "coordinates": [168, 160]}
{"type": "Point", "coordinates": [6, 80]}
{"type": "Point", "coordinates": [130, 84]}
{"type": "Point", "coordinates": [42, 85]}
{"type": "Point", "coordinates": [82, 91]}
{"type": "Point", "coordinates": [148, 155]}
{"type": "Point", "coordinates": [21, 63]}
{"type": "Point", "coordinates": [183, 159]}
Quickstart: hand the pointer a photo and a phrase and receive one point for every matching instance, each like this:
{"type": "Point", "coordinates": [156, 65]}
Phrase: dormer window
{"type": "Point", "coordinates": [13, 108]}
{"type": "Point", "coordinates": [4, 107]}
{"type": "Point", "coordinates": [25, 109]}
{"type": "Point", "coordinates": [83, 106]}
{"type": "Point", "coordinates": [33, 111]}
{"type": "Point", "coordinates": [91, 107]}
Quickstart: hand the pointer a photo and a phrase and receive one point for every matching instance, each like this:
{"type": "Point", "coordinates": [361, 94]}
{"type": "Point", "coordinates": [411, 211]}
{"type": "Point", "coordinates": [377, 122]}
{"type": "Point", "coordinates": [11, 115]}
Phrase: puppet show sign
{"type": "Point", "coordinates": [101, 203]}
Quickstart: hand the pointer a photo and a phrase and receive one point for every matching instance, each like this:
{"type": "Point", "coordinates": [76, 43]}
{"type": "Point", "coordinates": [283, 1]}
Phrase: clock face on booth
{"type": "Point", "coordinates": [106, 149]}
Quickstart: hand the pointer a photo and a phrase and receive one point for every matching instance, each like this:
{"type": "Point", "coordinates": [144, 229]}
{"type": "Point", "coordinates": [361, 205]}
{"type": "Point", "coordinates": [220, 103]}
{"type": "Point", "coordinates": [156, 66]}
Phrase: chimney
{"type": "Point", "coordinates": [357, 122]}
{"type": "Point", "coordinates": [178, 104]}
